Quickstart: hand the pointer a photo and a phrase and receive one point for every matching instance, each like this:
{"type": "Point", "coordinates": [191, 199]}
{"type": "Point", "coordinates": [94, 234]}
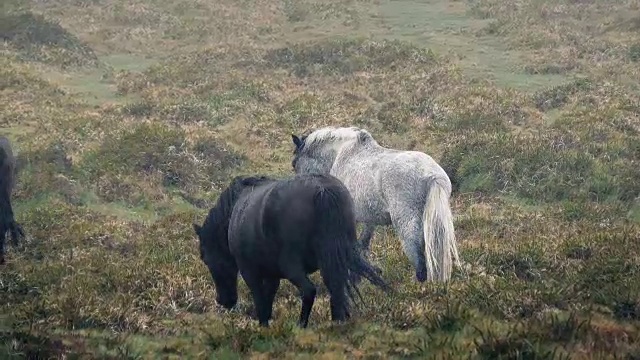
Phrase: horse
{"type": "Point", "coordinates": [405, 189]}
{"type": "Point", "coordinates": [7, 182]}
{"type": "Point", "coordinates": [271, 229]}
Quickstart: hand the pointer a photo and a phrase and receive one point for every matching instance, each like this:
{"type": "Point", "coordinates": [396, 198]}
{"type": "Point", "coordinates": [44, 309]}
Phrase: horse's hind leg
{"type": "Point", "coordinates": [409, 229]}
{"type": "Point", "coordinates": [2, 242]}
{"type": "Point", "coordinates": [339, 302]}
{"type": "Point", "coordinates": [16, 232]}
{"type": "Point", "coordinates": [365, 243]}
{"type": "Point", "coordinates": [307, 292]}
{"type": "Point", "coordinates": [365, 237]}
{"type": "Point", "coordinates": [260, 298]}
{"type": "Point", "coordinates": [14, 228]}
{"type": "Point", "coordinates": [270, 287]}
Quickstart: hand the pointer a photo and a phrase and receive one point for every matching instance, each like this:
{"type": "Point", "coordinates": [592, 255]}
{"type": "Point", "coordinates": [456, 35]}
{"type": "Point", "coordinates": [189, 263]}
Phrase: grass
{"type": "Point", "coordinates": [130, 116]}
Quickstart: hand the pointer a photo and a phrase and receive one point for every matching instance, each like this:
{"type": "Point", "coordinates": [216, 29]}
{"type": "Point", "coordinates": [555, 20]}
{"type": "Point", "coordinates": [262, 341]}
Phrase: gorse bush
{"type": "Point", "coordinates": [47, 171]}
{"type": "Point", "coordinates": [39, 39]}
{"type": "Point", "coordinates": [159, 150]}
{"type": "Point", "coordinates": [346, 56]}
{"type": "Point", "coordinates": [558, 96]}
{"type": "Point", "coordinates": [538, 168]}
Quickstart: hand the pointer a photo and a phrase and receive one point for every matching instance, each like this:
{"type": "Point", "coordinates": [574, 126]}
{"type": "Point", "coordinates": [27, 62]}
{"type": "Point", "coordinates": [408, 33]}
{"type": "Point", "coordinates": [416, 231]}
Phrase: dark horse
{"type": "Point", "coordinates": [7, 181]}
{"type": "Point", "coordinates": [271, 229]}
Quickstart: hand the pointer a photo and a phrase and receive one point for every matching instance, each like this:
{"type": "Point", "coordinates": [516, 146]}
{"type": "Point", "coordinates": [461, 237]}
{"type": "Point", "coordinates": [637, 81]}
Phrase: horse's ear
{"type": "Point", "coordinates": [363, 136]}
{"type": "Point", "coordinates": [197, 228]}
{"type": "Point", "coordinates": [296, 141]}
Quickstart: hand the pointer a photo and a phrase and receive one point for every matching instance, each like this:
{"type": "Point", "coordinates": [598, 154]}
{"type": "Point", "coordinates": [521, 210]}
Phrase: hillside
{"type": "Point", "coordinates": [130, 116]}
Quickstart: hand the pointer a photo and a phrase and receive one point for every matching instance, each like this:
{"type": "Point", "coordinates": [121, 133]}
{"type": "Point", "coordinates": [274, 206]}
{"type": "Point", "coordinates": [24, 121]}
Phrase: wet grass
{"type": "Point", "coordinates": [449, 28]}
{"type": "Point", "coordinates": [527, 105]}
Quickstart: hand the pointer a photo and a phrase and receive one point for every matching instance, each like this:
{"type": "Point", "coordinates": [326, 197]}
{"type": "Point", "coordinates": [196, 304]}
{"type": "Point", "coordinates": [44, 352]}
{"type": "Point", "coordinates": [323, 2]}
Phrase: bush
{"type": "Point", "coordinates": [525, 166]}
{"type": "Point", "coordinates": [154, 150]}
{"type": "Point", "coordinates": [39, 39]}
{"type": "Point", "coordinates": [346, 56]}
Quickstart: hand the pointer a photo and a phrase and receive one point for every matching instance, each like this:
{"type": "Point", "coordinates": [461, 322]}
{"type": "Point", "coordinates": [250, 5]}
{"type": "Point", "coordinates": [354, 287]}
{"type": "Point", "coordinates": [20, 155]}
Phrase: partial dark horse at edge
{"type": "Point", "coordinates": [272, 229]}
{"type": "Point", "coordinates": [7, 182]}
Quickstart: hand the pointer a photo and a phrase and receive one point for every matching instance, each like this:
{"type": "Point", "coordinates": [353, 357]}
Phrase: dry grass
{"type": "Point", "coordinates": [129, 117]}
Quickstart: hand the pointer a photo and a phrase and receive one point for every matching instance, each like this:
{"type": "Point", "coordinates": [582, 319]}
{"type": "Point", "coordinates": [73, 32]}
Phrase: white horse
{"type": "Point", "coordinates": [406, 189]}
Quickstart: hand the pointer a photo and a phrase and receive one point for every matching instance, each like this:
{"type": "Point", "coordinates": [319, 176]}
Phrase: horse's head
{"type": "Point", "coordinates": [316, 152]}
{"type": "Point", "coordinates": [218, 259]}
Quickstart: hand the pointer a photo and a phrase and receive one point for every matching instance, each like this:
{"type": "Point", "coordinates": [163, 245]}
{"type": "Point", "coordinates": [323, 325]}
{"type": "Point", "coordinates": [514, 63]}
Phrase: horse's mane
{"type": "Point", "coordinates": [331, 134]}
{"type": "Point", "coordinates": [243, 181]}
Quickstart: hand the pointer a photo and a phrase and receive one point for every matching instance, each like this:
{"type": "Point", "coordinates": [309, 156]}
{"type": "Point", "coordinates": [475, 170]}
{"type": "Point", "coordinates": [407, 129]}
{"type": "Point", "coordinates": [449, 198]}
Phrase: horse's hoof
{"type": "Point", "coordinates": [252, 314]}
{"type": "Point", "coordinates": [421, 276]}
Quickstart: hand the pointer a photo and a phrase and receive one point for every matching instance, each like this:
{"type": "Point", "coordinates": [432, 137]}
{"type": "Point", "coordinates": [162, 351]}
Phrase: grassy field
{"type": "Point", "coordinates": [129, 116]}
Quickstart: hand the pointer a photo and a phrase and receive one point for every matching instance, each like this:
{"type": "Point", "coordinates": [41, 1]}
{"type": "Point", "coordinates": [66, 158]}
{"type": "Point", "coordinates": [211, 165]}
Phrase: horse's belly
{"type": "Point", "coordinates": [370, 210]}
{"type": "Point", "coordinates": [369, 205]}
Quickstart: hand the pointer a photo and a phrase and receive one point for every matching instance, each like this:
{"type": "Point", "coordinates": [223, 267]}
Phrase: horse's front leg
{"type": "Point", "coordinates": [365, 243]}
{"type": "Point", "coordinates": [365, 237]}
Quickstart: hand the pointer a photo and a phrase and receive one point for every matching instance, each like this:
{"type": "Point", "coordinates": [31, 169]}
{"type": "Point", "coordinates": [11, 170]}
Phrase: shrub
{"type": "Point", "coordinates": [157, 150]}
{"type": "Point", "coordinates": [39, 39]}
{"type": "Point", "coordinates": [346, 56]}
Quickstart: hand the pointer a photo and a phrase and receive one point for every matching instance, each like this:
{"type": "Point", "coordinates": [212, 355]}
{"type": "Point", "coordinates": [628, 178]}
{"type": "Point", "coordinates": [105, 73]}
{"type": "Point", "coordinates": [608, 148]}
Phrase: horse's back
{"type": "Point", "coordinates": [409, 174]}
{"type": "Point", "coordinates": [410, 163]}
{"type": "Point", "coordinates": [380, 179]}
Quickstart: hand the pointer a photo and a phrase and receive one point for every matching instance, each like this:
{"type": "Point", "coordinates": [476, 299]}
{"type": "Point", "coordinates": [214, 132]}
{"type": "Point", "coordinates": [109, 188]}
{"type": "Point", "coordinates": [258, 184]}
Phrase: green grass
{"type": "Point", "coordinates": [96, 86]}
{"type": "Point", "coordinates": [129, 117]}
{"type": "Point", "coordinates": [447, 27]}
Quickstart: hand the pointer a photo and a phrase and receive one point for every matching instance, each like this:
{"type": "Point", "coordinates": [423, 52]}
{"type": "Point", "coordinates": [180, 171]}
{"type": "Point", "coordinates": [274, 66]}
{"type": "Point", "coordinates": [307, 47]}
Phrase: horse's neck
{"type": "Point", "coordinates": [223, 212]}
{"type": "Point", "coordinates": [348, 154]}
{"type": "Point", "coordinates": [220, 230]}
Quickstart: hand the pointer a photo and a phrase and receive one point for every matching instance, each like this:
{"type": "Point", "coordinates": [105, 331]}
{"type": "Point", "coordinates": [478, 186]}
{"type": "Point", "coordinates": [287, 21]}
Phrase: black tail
{"type": "Point", "coordinates": [338, 254]}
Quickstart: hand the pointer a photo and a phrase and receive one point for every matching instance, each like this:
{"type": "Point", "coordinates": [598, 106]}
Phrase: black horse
{"type": "Point", "coordinates": [7, 181]}
{"type": "Point", "coordinates": [271, 229]}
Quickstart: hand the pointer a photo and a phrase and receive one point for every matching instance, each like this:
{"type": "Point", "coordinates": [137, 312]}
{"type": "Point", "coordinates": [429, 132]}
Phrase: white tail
{"type": "Point", "coordinates": [439, 238]}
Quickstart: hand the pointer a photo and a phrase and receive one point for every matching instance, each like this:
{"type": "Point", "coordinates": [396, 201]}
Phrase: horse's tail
{"type": "Point", "coordinates": [441, 250]}
{"type": "Point", "coordinates": [338, 254]}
